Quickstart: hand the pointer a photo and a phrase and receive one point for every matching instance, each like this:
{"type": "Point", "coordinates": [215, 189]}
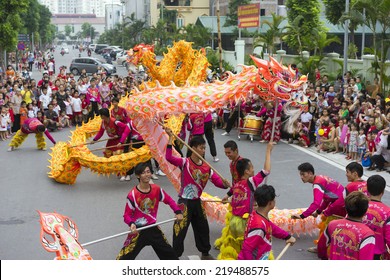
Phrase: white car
{"type": "Point", "coordinates": [122, 60]}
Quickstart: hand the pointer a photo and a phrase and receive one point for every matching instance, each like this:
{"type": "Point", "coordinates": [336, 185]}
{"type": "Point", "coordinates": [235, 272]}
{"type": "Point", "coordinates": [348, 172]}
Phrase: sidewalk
{"type": "Point", "coordinates": [338, 160]}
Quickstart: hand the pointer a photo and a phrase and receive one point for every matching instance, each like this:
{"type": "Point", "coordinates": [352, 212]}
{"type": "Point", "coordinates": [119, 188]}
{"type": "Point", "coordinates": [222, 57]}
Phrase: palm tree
{"type": "Point", "coordinates": [274, 33]}
{"type": "Point", "coordinates": [377, 11]}
{"type": "Point", "coordinates": [322, 40]}
{"type": "Point", "coordinates": [293, 34]}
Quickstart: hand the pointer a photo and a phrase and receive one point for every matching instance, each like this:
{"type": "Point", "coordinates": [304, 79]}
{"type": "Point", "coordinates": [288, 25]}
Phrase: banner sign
{"type": "Point", "coordinates": [249, 15]}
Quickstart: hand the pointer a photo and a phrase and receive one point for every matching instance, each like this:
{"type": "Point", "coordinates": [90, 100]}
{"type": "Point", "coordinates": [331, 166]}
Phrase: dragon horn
{"type": "Point", "coordinates": [260, 63]}
{"type": "Point", "coordinates": [275, 64]}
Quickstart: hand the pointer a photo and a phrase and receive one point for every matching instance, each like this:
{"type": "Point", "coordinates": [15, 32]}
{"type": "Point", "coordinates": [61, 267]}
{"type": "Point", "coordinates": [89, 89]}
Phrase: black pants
{"type": "Point", "coordinates": [193, 214]}
{"type": "Point", "coordinates": [209, 133]}
{"type": "Point", "coordinates": [16, 124]}
{"type": "Point", "coordinates": [95, 110]}
{"type": "Point", "coordinates": [378, 160]}
{"type": "Point", "coordinates": [232, 120]}
{"type": "Point", "coordinates": [149, 237]}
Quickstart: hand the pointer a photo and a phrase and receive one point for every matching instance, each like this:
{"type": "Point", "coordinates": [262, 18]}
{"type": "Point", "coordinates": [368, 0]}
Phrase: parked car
{"type": "Point", "coordinates": [90, 64]}
{"type": "Point", "coordinates": [106, 54]}
{"type": "Point", "coordinates": [122, 60]}
{"type": "Point", "coordinates": [99, 47]}
{"type": "Point", "coordinates": [92, 47]}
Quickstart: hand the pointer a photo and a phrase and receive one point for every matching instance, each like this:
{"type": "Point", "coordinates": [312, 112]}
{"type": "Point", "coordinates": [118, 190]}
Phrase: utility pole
{"type": "Point", "coordinates": [346, 24]}
{"type": "Point", "coordinates": [219, 38]}
{"type": "Point", "coordinates": [212, 30]}
{"type": "Point", "coordinates": [363, 31]}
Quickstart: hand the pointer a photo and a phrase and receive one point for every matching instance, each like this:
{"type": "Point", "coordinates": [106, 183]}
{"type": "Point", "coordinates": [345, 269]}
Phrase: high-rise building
{"type": "Point", "coordinates": [97, 7]}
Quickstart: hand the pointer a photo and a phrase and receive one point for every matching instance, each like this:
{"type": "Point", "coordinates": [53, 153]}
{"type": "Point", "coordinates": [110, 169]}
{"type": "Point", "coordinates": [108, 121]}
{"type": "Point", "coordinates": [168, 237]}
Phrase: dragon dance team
{"type": "Point", "coordinates": [355, 222]}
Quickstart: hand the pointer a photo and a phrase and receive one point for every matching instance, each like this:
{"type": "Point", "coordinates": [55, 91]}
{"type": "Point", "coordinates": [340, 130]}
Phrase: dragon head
{"type": "Point", "coordinates": [135, 54]}
{"type": "Point", "coordinates": [275, 80]}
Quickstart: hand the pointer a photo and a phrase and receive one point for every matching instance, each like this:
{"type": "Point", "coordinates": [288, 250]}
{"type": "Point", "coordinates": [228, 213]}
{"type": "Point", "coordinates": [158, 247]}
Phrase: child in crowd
{"type": "Point", "coordinates": [3, 123]}
{"type": "Point", "coordinates": [23, 112]}
{"type": "Point", "coordinates": [361, 150]}
{"type": "Point", "coordinates": [77, 108]}
{"type": "Point", "coordinates": [68, 109]}
{"type": "Point", "coordinates": [353, 142]}
{"type": "Point", "coordinates": [56, 107]}
{"type": "Point", "coordinates": [30, 111]}
{"type": "Point", "coordinates": [64, 120]}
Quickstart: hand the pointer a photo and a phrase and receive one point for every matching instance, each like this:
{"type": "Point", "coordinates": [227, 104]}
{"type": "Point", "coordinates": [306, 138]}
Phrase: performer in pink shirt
{"type": "Point", "coordinates": [242, 193]}
{"type": "Point", "coordinates": [116, 130]}
{"type": "Point", "coordinates": [349, 238]}
{"type": "Point", "coordinates": [378, 217]}
{"type": "Point", "coordinates": [195, 125]}
{"type": "Point", "coordinates": [328, 197]}
{"type": "Point", "coordinates": [354, 173]}
{"type": "Point", "coordinates": [194, 176]}
{"type": "Point", "coordinates": [257, 243]}
{"type": "Point", "coordinates": [30, 126]}
{"type": "Point", "coordinates": [141, 210]}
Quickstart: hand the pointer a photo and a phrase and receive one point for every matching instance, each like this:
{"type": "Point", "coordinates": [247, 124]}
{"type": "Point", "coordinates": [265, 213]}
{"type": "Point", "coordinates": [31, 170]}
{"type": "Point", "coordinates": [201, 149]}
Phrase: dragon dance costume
{"type": "Point", "coordinates": [378, 219]}
{"type": "Point", "coordinates": [193, 180]}
{"type": "Point", "coordinates": [328, 200]}
{"type": "Point", "coordinates": [258, 238]}
{"type": "Point", "coordinates": [346, 239]}
{"type": "Point", "coordinates": [242, 193]}
{"type": "Point", "coordinates": [235, 179]}
{"type": "Point", "coordinates": [118, 133]}
{"type": "Point", "coordinates": [28, 127]}
{"type": "Point", "coordinates": [141, 209]}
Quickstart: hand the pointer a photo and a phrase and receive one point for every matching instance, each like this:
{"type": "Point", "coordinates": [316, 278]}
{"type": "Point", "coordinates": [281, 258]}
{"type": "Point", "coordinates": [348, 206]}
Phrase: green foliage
{"type": "Point", "coordinates": [10, 22]}
{"type": "Point", "coordinates": [352, 51]}
{"type": "Point", "coordinates": [213, 59]}
{"type": "Point", "coordinates": [334, 9]}
{"type": "Point", "coordinates": [68, 30]}
{"type": "Point", "coordinates": [46, 29]}
{"type": "Point", "coordinates": [232, 15]}
{"type": "Point", "coordinates": [307, 66]}
{"type": "Point", "coordinates": [197, 34]}
{"type": "Point", "coordinates": [268, 39]}
{"type": "Point", "coordinates": [304, 22]}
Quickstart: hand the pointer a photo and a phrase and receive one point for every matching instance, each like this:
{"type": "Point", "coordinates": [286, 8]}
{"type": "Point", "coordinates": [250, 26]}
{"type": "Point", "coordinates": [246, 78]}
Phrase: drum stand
{"type": "Point", "coordinates": [249, 131]}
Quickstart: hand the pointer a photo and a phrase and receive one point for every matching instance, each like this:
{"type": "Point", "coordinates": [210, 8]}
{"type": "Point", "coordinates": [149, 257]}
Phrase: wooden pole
{"type": "Point", "coordinates": [126, 232]}
{"type": "Point", "coordinates": [90, 143]}
{"type": "Point", "coordinates": [123, 145]}
{"type": "Point", "coordinates": [283, 251]}
{"type": "Point", "coordinates": [274, 120]}
{"type": "Point", "coordinates": [196, 153]}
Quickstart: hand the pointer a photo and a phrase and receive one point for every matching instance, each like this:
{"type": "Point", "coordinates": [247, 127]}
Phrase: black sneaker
{"type": "Point", "coordinates": [207, 257]}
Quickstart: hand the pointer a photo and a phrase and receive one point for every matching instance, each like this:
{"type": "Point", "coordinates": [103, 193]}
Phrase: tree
{"type": "Point", "coordinates": [10, 22]}
{"type": "Point", "coordinates": [377, 11]}
{"type": "Point", "coordinates": [335, 13]}
{"type": "Point", "coordinates": [46, 29]}
{"type": "Point", "coordinates": [272, 34]}
{"type": "Point", "coordinates": [305, 16]}
{"type": "Point", "coordinates": [31, 16]}
{"type": "Point", "coordinates": [68, 30]}
{"type": "Point", "coordinates": [197, 34]}
{"type": "Point", "coordinates": [87, 30]}
{"type": "Point", "coordinates": [232, 16]}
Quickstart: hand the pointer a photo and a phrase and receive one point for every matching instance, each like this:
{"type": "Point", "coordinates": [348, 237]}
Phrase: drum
{"type": "Point", "coordinates": [252, 125]}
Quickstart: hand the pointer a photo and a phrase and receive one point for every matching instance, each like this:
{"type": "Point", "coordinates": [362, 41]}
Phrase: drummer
{"type": "Point", "coordinates": [269, 112]}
